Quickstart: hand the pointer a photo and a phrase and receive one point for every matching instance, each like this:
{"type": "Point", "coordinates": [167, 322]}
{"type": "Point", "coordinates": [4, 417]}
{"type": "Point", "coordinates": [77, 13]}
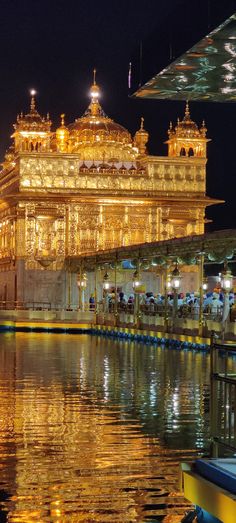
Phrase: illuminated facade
{"type": "Point", "coordinates": [87, 187]}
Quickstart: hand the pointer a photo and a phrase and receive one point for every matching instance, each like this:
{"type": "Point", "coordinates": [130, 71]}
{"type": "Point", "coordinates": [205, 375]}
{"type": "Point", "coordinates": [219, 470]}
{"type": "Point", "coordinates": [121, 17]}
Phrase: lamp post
{"type": "Point", "coordinates": [203, 285]}
{"type": "Point", "coordinates": [203, 289]}
{"type": "Point", "coordinates": [116, 314]}
{"type": "Point", "coordinates": [167, 289]}
{"type": "Point", "coordinates": [136, 285]}
{"type": "Point", "coordinates": [175, 284]}
{"type": "Point", "coordinates": [226, 279]}
{"type": "Point", "coordinates": [95, 294]}
{"type": "Point", "coordinates": [226, 285]}
{"type": "Point", "coordinates": [82, 283]}
{"type": "Point", "coordinates": [106, 286]}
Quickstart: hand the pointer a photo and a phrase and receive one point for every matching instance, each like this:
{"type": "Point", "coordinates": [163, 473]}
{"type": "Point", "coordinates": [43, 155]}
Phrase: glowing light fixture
{"type": "Point", "coordinates": [175, 278]}
{"type": "Point", "coordinates": [106, 283]}
{"type": "Point", "coordinates": [136, 281]}
{"type": "Point", "coordinates": [226, 279]}
{"type": "Point", "coordinates": [205, 284]}
{"type": "Point", "coordinates": [82, 283]}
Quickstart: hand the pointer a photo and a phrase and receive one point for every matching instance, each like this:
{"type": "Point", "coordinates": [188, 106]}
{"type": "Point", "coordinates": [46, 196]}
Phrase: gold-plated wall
{"type": "Point", "coordinates": [58, 173]}
{"type": "Point", "coordinates": [66, 207]}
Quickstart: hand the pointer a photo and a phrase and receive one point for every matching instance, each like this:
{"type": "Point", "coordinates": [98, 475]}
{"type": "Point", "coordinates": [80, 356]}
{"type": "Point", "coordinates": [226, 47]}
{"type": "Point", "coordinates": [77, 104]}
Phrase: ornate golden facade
{"type": "Point", "coordinates": [89, 186]}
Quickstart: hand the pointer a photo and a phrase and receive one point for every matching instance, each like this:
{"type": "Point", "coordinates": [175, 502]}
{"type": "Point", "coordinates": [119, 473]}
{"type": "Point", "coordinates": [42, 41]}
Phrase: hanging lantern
{"type": "Point", "coordinates": [205, 284]}
{"type": "Point", "coordinates": [82, 283]}
{"type": "Point", "coordinates": [226, 279]}
{"type": "Point", "coordinates": [168, 282]}
{"type": "Point", "coordinates": [136, 281]}
{"type": "Point", "coordinates": [106, 283]}
{"type": "Point", "coordinates": [175, 279]}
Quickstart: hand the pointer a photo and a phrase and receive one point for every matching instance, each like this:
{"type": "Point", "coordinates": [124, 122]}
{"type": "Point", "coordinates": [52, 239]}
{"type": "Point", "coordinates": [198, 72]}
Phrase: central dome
{"type": "Point", "coordinates": [97, 137]}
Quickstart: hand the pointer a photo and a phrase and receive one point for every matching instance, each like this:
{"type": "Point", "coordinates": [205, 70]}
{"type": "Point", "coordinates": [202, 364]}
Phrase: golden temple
{"type": "Point", "coordinates": [90, 186]}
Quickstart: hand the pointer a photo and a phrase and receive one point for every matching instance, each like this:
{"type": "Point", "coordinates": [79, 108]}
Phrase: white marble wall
{"type": "Point", "coordinates": [7, 285]}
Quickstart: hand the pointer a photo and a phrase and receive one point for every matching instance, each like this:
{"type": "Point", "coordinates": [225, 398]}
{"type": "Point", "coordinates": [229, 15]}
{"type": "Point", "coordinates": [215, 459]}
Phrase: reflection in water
{"type": "Point", "coordinates": [93, 429]}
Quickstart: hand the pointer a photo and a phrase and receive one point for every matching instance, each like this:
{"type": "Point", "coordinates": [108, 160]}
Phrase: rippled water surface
{"type": "Point", "coordinates": [93, 429]}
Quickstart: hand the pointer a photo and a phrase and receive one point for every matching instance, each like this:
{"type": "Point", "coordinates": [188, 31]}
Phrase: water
{"type": "Point", "coordinates": [93, 430]}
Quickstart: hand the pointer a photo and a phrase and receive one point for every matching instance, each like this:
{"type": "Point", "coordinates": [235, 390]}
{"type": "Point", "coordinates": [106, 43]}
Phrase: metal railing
{"type": "Point", "coordinates": [155, 310]}
{"type": "Point", "coordinates": [20, 305]}
{"type": "Point", "coordinates": [159, 310]}
{"type": "Point", "coordinates": [222, 397]}
{"type": "Point", "coordinates": [41, 306]}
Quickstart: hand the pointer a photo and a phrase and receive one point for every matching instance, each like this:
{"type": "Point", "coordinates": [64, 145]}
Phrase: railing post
{"type": "Point", "coordinates": [213, 397]}
{"type": "Point", "coordinates": [166, 299]}
{"type": "Point", "coordinates": [80, 288]}
{"type": "Point", "coordinates": [201, 274]}
{"type": "Point", "coordinates": [95, 293]}
{"type": "Point", "coordinates": [115, 304]}
{"type": "Point", "coordinates": [137, 301]}
{"type": "Point", "coordinates": [69, 288]}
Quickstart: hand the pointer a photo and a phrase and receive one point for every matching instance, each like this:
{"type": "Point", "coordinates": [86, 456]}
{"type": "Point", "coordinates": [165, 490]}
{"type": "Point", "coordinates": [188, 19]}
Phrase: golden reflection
{"type": "Point", "coordinates": [76, 447]}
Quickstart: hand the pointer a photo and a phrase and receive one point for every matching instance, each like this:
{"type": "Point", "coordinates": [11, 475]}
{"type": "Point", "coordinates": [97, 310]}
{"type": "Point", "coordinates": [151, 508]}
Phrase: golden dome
{"type": "Point", "coordinates": [187, 128]}
{"type": "Point", "coordinates": [98, 137]}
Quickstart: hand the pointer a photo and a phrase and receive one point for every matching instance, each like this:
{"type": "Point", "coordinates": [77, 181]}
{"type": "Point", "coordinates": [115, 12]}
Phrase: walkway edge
{"type": "Point", "coordinates": [132, 334]}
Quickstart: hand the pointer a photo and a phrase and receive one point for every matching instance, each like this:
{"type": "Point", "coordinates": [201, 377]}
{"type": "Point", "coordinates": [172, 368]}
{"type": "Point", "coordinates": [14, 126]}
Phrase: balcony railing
{"type": "Point", "coordinates": [6, 305]}
{"type": "Point", "coordinates": [186, 320]}
{"type": "Point", "coordinates": [222, 398]}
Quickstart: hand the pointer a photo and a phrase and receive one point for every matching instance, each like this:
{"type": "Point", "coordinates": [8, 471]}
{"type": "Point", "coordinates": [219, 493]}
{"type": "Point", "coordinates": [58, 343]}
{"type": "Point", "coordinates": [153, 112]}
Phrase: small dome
{"type": "Point", "coordinates": [187, 128]}
{"type": "Point", "coordinates": [141, 138]}
{"type": "Point", "coordinates": [32, 121]}
{"type": "Point", "coordinates": [10, 153]}
{"type": "Point", "coordinates": [62, 136]}
{"type": "Point", "coordinates": [32, 131]}
{"type": "Point", "coordinates": [9, 158]}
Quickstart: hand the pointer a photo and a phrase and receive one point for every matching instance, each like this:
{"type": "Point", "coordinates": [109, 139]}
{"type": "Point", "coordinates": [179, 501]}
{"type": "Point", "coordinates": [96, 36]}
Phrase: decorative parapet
{"type": "Point", "coordinates": [68, 173]}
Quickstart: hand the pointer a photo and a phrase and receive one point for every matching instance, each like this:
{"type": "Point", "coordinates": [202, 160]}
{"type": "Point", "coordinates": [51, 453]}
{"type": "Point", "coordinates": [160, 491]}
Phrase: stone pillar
{"type": "Point", "coordinates": [20, 280]}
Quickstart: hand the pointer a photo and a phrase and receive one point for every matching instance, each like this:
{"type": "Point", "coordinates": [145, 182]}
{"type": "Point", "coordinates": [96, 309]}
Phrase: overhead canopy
{"type": "Point", "coordinates": [217, 247]}
{"type": "Point", "coordinates": [207, 72]}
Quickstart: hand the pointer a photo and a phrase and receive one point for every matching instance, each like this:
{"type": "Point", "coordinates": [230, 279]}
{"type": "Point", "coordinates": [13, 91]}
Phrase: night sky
{"type": "Point", "coordinates": [54, 45]}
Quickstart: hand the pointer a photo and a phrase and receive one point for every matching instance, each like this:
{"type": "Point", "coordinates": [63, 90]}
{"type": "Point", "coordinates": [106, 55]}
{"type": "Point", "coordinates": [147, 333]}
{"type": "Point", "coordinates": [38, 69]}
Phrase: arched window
{"type": "Point", "coordinates": [191, 151]}
{"type": "Point", "coordinates": [182, 151]}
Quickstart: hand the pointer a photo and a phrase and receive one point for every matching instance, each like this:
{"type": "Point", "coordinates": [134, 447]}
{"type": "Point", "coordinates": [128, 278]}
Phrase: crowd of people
{"type": "Point", "coordinates": [186, 304]}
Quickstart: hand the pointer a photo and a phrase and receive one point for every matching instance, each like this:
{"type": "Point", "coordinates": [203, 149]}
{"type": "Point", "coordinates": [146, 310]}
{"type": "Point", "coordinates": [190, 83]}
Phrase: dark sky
{"type": "Point", "coordinates": [54, 45]}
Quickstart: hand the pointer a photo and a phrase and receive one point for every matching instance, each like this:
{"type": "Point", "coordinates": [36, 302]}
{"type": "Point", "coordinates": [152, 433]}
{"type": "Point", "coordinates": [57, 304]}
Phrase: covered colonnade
{"type": "Point", "coordinates": [182, 286]}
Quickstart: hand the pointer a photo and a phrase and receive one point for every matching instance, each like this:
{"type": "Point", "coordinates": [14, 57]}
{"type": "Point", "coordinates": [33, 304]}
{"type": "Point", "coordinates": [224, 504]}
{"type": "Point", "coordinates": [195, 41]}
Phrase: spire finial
{"type": "Point", "coordinates": [142, 122]}
{"type": "Point", "coordinates": [203, 129]}
{"type": "Point", "coordinates": [94, 76]}
{"type": "Point", "coordinates": [32, 102]}
{"type": "Point", "coordinates": [95, 92]}
{"type": "Point", "coordinates": [62, 120]}
{"type": "Point", "coordinates": [187, 113]}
